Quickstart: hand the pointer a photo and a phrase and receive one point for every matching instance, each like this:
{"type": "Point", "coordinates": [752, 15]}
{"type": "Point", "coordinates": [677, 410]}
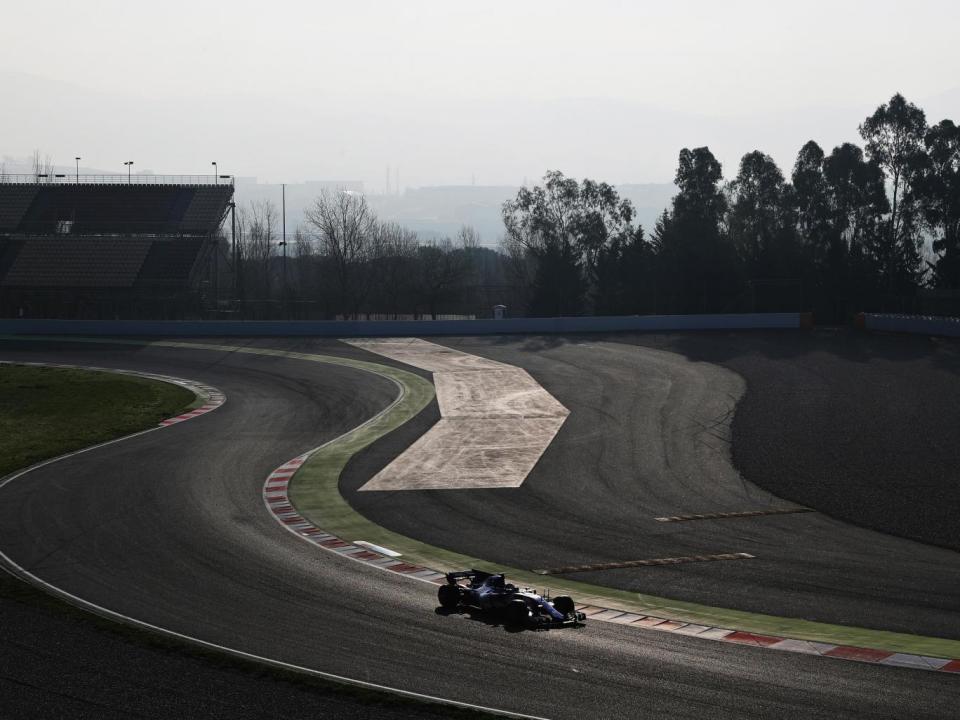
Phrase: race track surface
{"type": "Point", "coordinates": [169, 528]}
{"type": "Point", "coordinates": [885, 412]}
{"type": "Point", "coordinates": [646, 438]}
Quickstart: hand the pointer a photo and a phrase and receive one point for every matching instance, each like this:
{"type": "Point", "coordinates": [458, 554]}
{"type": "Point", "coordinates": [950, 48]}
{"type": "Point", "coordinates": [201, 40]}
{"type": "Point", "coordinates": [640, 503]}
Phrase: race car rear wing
{"type": "Point", "coordinates": [472, 575]}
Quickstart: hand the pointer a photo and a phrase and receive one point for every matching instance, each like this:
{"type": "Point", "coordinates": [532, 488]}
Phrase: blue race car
{"type": "Point", "coordinates": [519, 607]}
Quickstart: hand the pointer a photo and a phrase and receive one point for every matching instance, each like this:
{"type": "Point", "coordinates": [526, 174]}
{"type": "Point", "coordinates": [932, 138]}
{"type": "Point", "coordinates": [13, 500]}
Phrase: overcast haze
{"type": "Point", "coordinates": [452, 92]}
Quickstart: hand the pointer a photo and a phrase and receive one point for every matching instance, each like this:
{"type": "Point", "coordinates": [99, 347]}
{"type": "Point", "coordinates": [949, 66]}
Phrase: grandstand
{"type": "Point", "coordinates": [93, 247]}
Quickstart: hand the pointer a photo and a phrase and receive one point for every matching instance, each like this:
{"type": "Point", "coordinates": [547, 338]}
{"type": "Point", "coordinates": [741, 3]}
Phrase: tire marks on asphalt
{"type": "Point", "coordinates": [570, 569]}
{"type": "Point", "coordinates": [726, 515]}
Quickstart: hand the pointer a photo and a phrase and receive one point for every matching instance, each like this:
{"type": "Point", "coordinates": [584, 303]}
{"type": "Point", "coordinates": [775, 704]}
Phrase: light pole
{"type": "Point", "coordinates": [129, 164]}
{"type": "Point", "coordinates": [78, 169]}
{"type": "Point", "coordinates": [283, 216]}
{"type": "Point", "coordinates": [215, 176]}
{"type": "Point", "coordinates": [236, 259]}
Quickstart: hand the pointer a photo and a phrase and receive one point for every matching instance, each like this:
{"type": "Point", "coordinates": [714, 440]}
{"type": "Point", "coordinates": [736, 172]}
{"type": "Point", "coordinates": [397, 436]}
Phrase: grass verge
{"type": "Point", "coordinates": [46, 411]}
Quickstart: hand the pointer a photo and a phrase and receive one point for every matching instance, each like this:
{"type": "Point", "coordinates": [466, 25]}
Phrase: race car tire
{"type": "Point", "coordinates": [449, 596]}
{"type": "Point", "coordinates": [564, 604]}
{"type": "Point", "coordinates": [517, 613]}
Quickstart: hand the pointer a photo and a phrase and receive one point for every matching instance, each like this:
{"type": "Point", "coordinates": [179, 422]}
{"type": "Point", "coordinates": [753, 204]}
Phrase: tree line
{"type": "Point", "coordinates": [861, 228]}
{"type": "Point", "coordinates": [345, 263]}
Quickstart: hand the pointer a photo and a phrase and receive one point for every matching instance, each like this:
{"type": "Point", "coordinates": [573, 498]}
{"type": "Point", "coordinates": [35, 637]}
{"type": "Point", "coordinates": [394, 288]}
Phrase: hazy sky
{"type": "Point", "coordinates": [450, 90]}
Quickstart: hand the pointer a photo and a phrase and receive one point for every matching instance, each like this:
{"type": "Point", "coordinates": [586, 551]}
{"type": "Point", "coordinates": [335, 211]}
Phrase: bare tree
{"type": "Point", "coordinates": [344, 227]}
{"type": "Point", "coordinates": [468, 238]}
{"type": "Point", "coordinates": [394, 265]}
{"type": "Point", "coordinates": [239, 228]}
{"type": "Point", "coordinates": [303, 244]}
{"type": "Point", "coordinates": [443, 269]}
{"type": "Point", "coordinates": [306, 263]}
{"type": "Point", "coordinates": [256, 240]}
{"type": "Point", "coordinates": [42, 166]}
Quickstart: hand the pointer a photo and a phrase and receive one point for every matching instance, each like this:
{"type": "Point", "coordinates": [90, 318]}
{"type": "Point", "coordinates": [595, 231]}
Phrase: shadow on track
{"type": "Point", "coordinates": [863, 427]}
{"type": "Point", "coordinates": [491, 619]}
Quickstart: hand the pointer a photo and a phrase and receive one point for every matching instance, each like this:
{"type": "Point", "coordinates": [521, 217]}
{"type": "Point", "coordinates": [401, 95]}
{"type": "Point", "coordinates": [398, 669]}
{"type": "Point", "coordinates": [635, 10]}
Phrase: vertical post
{"type": "Point", "coordinates": [238, 263]}
{"type": "Point", "coordinates": [233, 244]}
{"type": "Point", "coordinates": [216, 270]}
{"type": "Point", "coordinates": [283, 215]}
{"type": "Point", "coordinates": [216, 276]}
{"type": "Point", "coordinates": [78, 169]}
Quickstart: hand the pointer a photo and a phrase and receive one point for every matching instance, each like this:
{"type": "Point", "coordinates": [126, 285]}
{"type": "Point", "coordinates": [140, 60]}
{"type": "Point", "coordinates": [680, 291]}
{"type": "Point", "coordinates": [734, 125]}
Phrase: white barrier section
{"type": "Point", "coordinates": [496, 421]}
{"type": "Point", "coordinates": [919, 324]}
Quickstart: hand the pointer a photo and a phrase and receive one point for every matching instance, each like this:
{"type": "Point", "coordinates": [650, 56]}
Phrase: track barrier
{"type": "Point", "coordinates": [407, 328]}
{"type": "Point", "coordinates": [916, 324]}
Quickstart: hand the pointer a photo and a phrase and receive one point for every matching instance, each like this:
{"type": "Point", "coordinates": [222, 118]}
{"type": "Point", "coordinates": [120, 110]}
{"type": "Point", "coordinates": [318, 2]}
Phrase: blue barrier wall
{"type": "Point", "coordinates": [918, 324]}
{"type": "Point", "coordinates": [400, 328]}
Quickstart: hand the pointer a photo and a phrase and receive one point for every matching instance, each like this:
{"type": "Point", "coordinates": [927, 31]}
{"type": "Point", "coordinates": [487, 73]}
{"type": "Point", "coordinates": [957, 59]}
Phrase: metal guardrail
{"type": "Point", "coordinates": [119, 179]}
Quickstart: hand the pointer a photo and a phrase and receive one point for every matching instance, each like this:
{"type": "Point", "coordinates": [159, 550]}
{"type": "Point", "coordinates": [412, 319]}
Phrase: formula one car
{"type": "Point", "coordinates": [519, 607]}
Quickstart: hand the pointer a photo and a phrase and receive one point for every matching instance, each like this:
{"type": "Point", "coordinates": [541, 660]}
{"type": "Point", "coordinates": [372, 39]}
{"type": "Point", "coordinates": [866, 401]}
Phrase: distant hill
{"type": "Point", "coordinates": [440, 211]}
{"type": "Point", "coordinates": [650, 200]}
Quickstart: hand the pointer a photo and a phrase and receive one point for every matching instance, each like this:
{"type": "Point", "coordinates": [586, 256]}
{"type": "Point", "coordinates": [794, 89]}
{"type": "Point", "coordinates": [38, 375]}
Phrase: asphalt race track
{"type": "Point", "coordinates": [628, 454]}
{"type": "Point", "coordinates": [169, 528]}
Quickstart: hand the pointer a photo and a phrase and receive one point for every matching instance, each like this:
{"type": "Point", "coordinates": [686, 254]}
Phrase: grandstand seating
{"type": "Point", "coordinates": [92, 209]}
{"type": "Point", "coordinates": [9, 249]}
{"type": "Point", "coordinates": [15, 199]}
{"type": "Point", "coordinates": [94, 250]}
{"type": "Point", "coordinates": [107, 262]}
{"type": "Point", "coordinates": [206, 209]}
{"type": "Point", "coordinates": [99, 261]}
{"type": "Point", "coordinates": [170, 261]}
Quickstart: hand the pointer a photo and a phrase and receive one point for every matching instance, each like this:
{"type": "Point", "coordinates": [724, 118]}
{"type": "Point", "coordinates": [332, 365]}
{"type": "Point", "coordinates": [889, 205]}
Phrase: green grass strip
{"type": "Point", "coordinates": [315, 493]}
{"type": "Point", "coordinates": [50, 411]}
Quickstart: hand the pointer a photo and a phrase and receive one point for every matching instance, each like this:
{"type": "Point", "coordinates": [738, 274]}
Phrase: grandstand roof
{"type": "Point", "coordinates": [112, 209]}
